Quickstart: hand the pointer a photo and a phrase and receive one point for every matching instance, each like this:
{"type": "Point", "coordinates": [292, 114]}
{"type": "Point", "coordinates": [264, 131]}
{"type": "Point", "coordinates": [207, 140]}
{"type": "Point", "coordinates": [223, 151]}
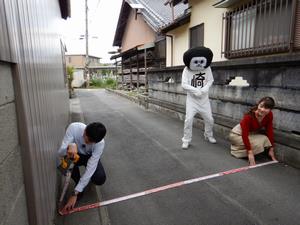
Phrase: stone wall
{"type": "Point", "coordinates": [13, 209]}
{"type": "Point", "coordinates": [275, 76]}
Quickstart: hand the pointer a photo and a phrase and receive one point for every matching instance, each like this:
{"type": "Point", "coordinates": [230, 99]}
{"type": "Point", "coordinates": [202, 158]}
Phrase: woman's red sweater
{"type": "Point", "coordinates": [250, 123]}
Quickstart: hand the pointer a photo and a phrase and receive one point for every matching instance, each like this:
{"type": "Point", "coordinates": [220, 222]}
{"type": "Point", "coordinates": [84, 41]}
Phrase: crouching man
{"type": "Point", "coordinates": [88, 141]}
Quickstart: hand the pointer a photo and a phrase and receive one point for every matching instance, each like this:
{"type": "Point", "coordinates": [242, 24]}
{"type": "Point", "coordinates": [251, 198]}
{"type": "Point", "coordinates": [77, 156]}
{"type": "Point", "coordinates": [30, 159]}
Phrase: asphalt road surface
{"type": "Point", "coordinates": [143, 151]}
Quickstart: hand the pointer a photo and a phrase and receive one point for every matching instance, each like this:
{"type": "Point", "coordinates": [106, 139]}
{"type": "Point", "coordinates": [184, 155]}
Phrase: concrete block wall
{"type": "Point", "coordinates": [13, 209]}
{"type": "Point", "coordinates": [275, 76]}
{"type": "Point", "coordinates": [165, 85]}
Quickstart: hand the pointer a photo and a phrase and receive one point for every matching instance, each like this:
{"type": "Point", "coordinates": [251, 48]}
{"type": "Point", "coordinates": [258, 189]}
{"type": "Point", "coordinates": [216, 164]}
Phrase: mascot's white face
{"type": "Point", "coordinates": [198, 63]}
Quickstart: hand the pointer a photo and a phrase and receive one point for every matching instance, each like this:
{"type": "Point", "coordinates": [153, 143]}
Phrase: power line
{"type": "Point", "coordinates": [95, 12]}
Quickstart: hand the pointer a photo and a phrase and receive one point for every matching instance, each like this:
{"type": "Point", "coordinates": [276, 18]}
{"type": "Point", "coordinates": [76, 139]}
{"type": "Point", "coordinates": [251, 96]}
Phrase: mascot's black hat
{"type": "Point", "coordinates": [197, 52]}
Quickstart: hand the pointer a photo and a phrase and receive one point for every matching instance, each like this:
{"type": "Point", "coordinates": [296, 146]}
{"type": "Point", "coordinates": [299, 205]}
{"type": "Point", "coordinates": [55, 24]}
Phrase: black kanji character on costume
{"type": "Point", "coordinates": [198, 80]}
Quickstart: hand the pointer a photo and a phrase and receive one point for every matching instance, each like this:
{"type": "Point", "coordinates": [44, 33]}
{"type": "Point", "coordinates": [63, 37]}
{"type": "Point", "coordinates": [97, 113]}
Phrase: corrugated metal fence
{"type": "Point", "coordinates": [29, 39]}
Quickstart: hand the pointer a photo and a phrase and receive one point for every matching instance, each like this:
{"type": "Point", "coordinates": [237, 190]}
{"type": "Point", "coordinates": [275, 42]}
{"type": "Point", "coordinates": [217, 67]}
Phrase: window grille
{"type": "Point", "coordinates": [260, 27]}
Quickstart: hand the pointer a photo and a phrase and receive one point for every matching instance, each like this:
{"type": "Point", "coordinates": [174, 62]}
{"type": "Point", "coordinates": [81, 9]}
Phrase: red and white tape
{"type": "Point", "coordinates": [162, 188]}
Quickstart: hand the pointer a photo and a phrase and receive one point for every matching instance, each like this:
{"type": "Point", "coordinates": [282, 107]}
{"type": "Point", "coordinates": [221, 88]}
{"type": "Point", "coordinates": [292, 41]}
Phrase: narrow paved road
{"type": "Point", "coordinates": [143, 151]}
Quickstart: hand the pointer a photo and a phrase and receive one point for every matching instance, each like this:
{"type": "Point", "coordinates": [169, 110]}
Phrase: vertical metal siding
{"type": "Point", "coordinates": [4, 43]}
{"type": "Point", "coordinates": [33, 43]}
{"type": "Point", "coordinates": [297, 27]}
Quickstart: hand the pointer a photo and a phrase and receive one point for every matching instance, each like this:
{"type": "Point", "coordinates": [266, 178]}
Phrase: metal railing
{"type": "Point", "coordinates": [259, 27]}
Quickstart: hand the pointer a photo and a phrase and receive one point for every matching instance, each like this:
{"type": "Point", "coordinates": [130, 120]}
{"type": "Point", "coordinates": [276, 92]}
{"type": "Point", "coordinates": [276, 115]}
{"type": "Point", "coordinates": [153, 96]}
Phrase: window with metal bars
{"type": "Point", "coordinates": [259, 27]}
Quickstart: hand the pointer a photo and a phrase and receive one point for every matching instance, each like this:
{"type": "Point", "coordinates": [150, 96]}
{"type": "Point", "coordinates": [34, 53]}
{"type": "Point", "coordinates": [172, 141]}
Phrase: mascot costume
{"type": "Point", "coordinates": [196, 80]}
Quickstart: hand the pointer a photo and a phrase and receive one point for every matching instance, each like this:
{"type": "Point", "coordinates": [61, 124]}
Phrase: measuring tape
{"type": "Point", "coordinates": [162, 188]}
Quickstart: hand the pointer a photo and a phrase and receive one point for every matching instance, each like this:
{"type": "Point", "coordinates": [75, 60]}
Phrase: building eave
{"type": "Point", "coordinates": [121, 25]}
{"type": "Point", "coordinates": [177, 23]}
{"type": "Point", "coordinates": [153, 15]}
{"type": "Point", "coordinates": [65, 8]}
{"type": "Point", "coordinates": [133, 51]}
{"type": "Point", "coordinates": [176, 2]}
{"type": "Point", "coordinates": [83, 55]}
{"type": "Point", "coordinates": [225, 3]}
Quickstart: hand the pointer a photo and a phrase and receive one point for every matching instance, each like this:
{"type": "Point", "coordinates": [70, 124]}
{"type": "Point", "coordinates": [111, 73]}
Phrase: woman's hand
{"type": "Point", "coordinates": [251, 158]}
{"type": "Point", "coordinates": [272, 154]}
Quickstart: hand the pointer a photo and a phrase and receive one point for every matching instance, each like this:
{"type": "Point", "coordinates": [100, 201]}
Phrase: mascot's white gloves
{"type": "Point", "coordinates": [198, 93]}
{"type": "Point", "coordinates": [202, 91]}
{"type": "Point", "coordinates": [205, 89]}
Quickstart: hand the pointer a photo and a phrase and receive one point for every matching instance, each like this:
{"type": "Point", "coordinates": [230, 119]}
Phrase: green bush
{"type": "Point", "coordinates": [103, 83]}
{"type": "Point", "coordinates": [70, 76]}
{"type": "Point", "coordinates": [111, 83]}
{"type": "Point", "coordinates": [96, 83]}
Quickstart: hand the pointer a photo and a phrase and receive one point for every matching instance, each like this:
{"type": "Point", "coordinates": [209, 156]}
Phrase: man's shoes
{"type": "Point", "coordinates": [211, 139]}
{"type": "Point", "coordinates": [185, 145]}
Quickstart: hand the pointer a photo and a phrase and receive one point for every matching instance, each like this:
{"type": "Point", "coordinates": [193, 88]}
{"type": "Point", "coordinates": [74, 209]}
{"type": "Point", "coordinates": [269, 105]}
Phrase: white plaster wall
{"type": "Point", "coordinates": [78, 78]}
{"type": "Point", "coordinates": [169, 61]}
{"type": "Point", "coordinates": [180, 45]}
{"type": "Point", "coordinates": [204, 12]}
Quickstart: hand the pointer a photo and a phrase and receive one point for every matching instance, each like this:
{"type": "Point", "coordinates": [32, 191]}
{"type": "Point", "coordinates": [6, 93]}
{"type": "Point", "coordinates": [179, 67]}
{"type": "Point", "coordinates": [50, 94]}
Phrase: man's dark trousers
{"type": "Point", "coordinates": [98, 178]}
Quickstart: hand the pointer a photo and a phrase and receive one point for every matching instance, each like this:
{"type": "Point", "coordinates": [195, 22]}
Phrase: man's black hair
{"type": "Point", "coordinates": [95, 131]}
{"type": "Point", "coordinates": [197, 52]}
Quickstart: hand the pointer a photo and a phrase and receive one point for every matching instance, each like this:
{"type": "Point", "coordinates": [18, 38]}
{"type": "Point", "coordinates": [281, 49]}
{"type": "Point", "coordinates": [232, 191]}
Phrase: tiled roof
{"type": "Point", "coordinates": [155, 13]}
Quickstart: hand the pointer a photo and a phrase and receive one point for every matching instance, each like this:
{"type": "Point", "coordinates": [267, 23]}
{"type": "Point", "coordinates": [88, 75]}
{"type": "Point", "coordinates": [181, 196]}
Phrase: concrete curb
{"type": "Point", "coordinates": [140, 99]}
{"type": "Point", "coordinates": [76, 111]}
{"type": "Point", "coordinates": [103, 212]}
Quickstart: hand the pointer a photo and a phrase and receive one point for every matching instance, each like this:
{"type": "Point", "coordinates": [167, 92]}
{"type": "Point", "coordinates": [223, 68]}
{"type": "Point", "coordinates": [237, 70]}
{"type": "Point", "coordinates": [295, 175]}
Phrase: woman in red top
{"type": "Point", "coordinates": [254, 133]}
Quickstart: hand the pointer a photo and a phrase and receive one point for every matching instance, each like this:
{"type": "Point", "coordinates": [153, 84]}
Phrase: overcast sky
{"type": "Point", "coordinates": [103, 18]}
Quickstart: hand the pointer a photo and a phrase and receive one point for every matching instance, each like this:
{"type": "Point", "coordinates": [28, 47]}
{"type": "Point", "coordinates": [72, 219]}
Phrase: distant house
{"type": "Point", "coordinates": [236, 29]}
{"type": "Point", "coordinates": [138, 35]}
{"type": "Point", "coordinates": [79, 61]}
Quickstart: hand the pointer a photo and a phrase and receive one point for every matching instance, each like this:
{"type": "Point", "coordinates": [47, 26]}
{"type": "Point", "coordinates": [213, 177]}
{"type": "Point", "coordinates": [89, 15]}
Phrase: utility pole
{"type": "Point", "coordinates": [86, 69]}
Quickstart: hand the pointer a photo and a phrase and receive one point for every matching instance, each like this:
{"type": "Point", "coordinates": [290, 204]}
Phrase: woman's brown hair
{"type": "Point", "coordinates": [268, 103]}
